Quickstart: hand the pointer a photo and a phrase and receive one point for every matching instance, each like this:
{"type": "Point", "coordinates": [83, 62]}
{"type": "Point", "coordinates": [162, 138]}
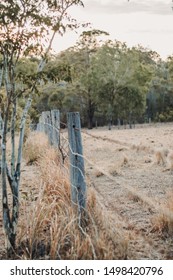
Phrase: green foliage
{"type": "Point", "coordinates": [160, 97]}
{"type": "Point", "coordinates": [166, 116]}
{"type": "Point", "coordinates": [109, 80]}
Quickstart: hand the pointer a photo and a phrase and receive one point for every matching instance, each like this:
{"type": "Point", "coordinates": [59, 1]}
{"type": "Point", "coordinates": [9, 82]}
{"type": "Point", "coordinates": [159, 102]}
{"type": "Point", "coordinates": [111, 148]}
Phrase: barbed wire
{"type": "Point", "coordinates": [151, 202]}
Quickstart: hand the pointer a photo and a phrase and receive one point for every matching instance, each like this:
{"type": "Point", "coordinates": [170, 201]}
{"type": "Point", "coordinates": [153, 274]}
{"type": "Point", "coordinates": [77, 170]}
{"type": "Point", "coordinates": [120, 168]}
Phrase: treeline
{"type": "Point", "coordinates": [106, 82]}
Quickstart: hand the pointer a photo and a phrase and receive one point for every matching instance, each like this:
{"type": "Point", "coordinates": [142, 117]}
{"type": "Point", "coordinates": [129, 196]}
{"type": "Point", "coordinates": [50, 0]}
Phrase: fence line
{"type": "Point", "coordinates": [152, 203]}
{"type": "Point", "coordinates": [49, 122]}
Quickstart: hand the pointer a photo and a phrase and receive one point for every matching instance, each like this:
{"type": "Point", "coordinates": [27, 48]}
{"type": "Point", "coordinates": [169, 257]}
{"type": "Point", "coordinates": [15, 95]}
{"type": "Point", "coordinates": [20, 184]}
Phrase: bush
{"type": "Point", "coordinates": [166, 116]}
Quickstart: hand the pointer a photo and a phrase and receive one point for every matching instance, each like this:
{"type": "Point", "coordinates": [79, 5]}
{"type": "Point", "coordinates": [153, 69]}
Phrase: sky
{"type": "Point", "coordinates": [145, 22]}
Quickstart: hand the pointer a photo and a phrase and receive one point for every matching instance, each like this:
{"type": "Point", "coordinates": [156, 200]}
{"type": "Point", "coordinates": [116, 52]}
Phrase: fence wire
{"type": "Point", "coordinates": [66, 148]}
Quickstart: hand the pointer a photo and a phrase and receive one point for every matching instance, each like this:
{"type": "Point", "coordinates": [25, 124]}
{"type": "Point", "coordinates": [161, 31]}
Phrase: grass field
{"type": "Point", "coordinates": [129, 175]}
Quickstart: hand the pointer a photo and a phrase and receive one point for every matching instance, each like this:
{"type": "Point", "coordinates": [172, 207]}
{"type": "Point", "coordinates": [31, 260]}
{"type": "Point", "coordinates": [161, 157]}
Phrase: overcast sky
{"type": "Point", "coordinates": [145, 22]}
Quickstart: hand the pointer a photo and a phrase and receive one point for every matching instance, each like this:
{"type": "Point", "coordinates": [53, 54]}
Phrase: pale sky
{"type": "Point", "coordinates": [145, 22]}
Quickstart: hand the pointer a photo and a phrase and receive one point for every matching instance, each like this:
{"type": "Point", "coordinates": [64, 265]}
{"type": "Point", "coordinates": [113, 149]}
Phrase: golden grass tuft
{"type": "Point", "coordinates": [49, 227]}
{"type": "Point", "coordinates": [160, 156]}
{"type": "Point", "coordinates": [125, 161]}
{"type": "Point", "coordinates": [163, 223]}
{"type": "Point", "coordinates": [170, 160]}
{"type": "Point", "coordinates": [35, 147]}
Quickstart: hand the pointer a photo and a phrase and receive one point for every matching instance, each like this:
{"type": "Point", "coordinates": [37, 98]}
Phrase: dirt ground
{"type": "Point", "coordinates": [134, 187]}
{"type": "Point", "coordinates": [123, 166]}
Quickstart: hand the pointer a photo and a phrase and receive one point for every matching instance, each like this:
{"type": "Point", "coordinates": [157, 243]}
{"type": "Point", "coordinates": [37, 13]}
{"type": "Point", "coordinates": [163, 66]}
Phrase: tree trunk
{"type": "Point", "coordinates": [6, 212]}
{"type": "Point", "coordinates": [90, 111]}
{"type": "Point", "coordinates": [130, 120]}
{"type": "Point", "coordinates": [110, 123]}
{"type": "Point", "coordinates": [1, 132]}
{"type": "Point", "coordinates": [10, 218]}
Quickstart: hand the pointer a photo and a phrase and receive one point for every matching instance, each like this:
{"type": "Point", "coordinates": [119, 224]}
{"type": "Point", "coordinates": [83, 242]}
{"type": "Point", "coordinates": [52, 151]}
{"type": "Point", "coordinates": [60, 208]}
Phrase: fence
{"type": "Point", "coordinates": [77, 173]}
{"type": "Point", "coordinates": [49, 123]}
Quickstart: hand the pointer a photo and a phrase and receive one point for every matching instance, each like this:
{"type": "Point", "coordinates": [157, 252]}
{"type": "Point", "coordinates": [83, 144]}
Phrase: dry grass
{"type": "Point", "coordinates": [170, 160]}
{"type": "Point", "coordinates": [160, 156]}
{"type": "Point", "coordinates": [34, 147]}
{"type": "Point", "coordinates": [49, 227]}
{"type": "Point", "coordinates": [163, 224]}
{"type": "Point", "coordinates": [124, 161]}
{"type": "Point", "coordinates": [115, 171]}
{"type": "Point", "coordinates": [133, 197]}
{"type": "Point", "coordinates": [99, 174]}
{"type": "Point", "coordinates": [141, 147]}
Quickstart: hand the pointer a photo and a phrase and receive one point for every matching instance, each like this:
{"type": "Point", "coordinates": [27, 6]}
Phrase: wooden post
{"type": "Point", "coordinates": [77, 173]}
{"type": "Point", "coordinates": [46, 118]}
{"type": "Point", "coordinates": [38, 128]}
{"type": "Point", "coordinates": [55, 118]}
{"type": "Point", "coordinates": [1, 125]}
{"type": "Point", "coordinates": [41, 123]}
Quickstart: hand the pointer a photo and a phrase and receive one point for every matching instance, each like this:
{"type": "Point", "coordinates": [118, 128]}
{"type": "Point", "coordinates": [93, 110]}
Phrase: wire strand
{"type": "Point", "coordinates": [151, 202]}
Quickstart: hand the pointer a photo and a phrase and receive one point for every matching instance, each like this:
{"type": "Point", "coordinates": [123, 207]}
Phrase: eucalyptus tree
{"type": "Point", "coordinates": [107, 62]}
{"type": "Point", "coordinates": [25, 26]}
{"type": "Point", "coordinates": [83, 71]}
{"type": "Point", "coordinates": [160, 97]}
{"type": "Point", "coordinates": [134, 87]}
{"type": "Point", "coordinates": [125, 77]}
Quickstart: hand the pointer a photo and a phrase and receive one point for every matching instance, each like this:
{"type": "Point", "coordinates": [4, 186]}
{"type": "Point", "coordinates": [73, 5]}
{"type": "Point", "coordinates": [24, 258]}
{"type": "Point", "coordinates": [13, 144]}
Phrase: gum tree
{"type": "Point", "coordinates": [25, 26]}
{"type": "Point", "coordinates": [84, 76]}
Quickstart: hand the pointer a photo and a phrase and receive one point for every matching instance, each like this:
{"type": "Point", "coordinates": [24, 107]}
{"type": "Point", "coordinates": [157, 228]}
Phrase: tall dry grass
{"type": "Point", "coordinates": [163, 223]}
{"type": "Point", "coordinates": [161, 156]}
{"type": "Point", "coordinates": [49, 227]}
{"type": "Point", "coordinates": [35, 146]}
